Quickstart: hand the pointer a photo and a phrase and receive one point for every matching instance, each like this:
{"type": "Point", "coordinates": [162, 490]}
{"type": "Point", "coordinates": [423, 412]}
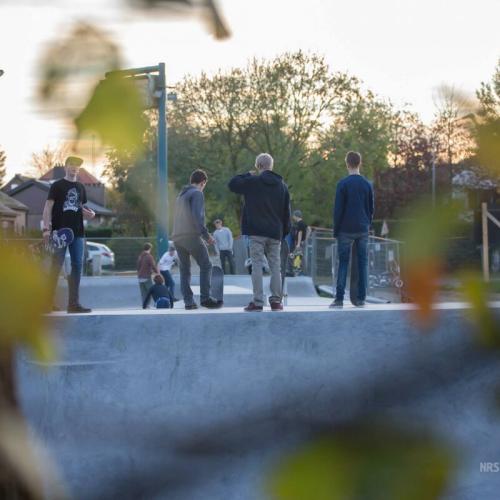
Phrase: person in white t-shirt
{"type": "Point", "coordinates": [165, 264]}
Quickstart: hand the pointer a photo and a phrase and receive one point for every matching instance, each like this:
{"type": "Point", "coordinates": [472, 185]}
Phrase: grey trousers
{"type": "Point", "coordinates": [271, 247]}
{"type": "Point", "coordinates": [144, 287]}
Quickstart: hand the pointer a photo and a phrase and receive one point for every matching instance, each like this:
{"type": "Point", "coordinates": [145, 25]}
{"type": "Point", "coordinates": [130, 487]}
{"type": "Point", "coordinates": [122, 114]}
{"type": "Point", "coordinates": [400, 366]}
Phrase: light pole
{"type": "Point", "coordinates": [156, 98]}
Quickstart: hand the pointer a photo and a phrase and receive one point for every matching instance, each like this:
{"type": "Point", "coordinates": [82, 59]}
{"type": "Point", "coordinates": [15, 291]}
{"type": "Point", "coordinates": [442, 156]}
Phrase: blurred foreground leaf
{"type": "Point", "coordinates": [71, 65]}
{"type": "Point", "coordinates": [365, 463]}
{"type": "Point", "coordinates": [115, 113]}
{"type": "Point", "coordinates": [488, 142]}
{"type": "Point", "coordinates": [476, 292]}
{"type": "Point", "coordinates": [27, 471]}
{"type": "Point", "coordinates": [24, 298]}
{"type": "Point", "coordinates": [426, 237]}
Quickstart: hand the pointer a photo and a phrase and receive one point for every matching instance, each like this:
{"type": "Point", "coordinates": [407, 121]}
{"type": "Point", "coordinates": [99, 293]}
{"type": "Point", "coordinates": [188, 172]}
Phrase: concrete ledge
{"type": "Point", "coordinates": [135, 394]}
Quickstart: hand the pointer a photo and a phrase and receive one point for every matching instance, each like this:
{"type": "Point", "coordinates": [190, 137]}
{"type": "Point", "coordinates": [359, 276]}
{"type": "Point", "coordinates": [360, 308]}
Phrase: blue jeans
{"type": "Point", "coordinates": [344, 243]}
{"type": "Point", "coordinates": [169, 282]}
{"type": "Point", "coordinates": [76, 253]}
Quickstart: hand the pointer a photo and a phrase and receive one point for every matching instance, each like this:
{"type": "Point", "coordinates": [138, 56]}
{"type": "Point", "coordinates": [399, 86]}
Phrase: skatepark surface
{"type": "Point", "coordinates": [175, 404]}
{"type": "Point", "coordinates": [102, 292]}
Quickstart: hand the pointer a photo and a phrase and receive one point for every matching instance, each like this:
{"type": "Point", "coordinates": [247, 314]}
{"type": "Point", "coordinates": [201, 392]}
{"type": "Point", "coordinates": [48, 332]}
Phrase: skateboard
{"type": "Point", "coordinates": [284, 255]}
{"type": "Point", "coordinates": [61, 238]}
{"type": "Point", "coordinates": [217, 284]}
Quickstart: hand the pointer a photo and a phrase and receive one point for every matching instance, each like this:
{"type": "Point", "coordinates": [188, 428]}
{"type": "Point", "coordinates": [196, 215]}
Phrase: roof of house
{"type": "Point", "coordinates": [45, 185]}
{"type": "Point", "coordinates": [30, 182]}
{"type": "Point", "coordinates": [12, 203]}
{"type": "Point", "coordinates": [84, 176]}
{"type": "Point", "coordinates": [98, 209]}
{"type": "Point", "coordinates": [6, 211]}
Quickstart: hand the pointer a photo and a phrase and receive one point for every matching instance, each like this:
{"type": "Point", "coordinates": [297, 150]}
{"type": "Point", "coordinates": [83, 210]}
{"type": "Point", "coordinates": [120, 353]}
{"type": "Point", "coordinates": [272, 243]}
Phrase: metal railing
{"type": "Point", "coordinates": [384, 280]}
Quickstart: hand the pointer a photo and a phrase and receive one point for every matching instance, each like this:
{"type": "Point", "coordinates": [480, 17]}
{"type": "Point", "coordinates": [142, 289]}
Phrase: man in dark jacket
{"type": "Point", "coordinates": [266, 220]}
{"type": "Point", "coordinates": [352, 217]}
{"type": "Point", "coordinates": [189, 235]}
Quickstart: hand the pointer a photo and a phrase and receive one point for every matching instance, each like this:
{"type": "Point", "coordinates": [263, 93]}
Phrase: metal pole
{"type": "Point", "coordinates": [433, 179]}
{"type": "Point", "coordinates": [486, 250]}
{"type": "Point", "coordinates": [162, 210]}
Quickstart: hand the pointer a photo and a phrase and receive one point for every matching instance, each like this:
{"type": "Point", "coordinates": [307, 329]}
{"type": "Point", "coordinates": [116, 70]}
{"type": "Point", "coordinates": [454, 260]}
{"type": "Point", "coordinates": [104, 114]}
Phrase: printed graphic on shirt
{"type": "Point", "coordinates": [72, 201]}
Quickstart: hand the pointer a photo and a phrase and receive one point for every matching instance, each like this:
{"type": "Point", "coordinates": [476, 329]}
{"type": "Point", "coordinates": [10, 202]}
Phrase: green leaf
{"type": "Point", "coordinates": [365, 462]}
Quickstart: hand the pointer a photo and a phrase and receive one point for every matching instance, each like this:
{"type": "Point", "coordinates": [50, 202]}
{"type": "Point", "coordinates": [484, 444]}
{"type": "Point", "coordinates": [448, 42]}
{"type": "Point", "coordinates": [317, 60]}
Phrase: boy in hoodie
{"type": "Point", "coordinates": [189, 234]}
{"type": "Point", "coordinates": [161, 295]}
{"type": "Point", "coordinates": [266, 220]}
{"type": "Point", "coordinates": [146, 266]}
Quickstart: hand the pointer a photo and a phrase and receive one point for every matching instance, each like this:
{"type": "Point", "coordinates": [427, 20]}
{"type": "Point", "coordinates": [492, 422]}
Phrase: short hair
{"type": "Point", "coordinates": [198, 176]}
{"type": "Point", "coordinates": [297, 213]}
{"type": "Point", "coordinates": [158, 279]}
{"type": "Point", "coordinates": [353, 159]}
{"type": "Point", "coordinates": [218, 221]}
{"type": "Point", "coordinates": [147, 246]}
{"type": "Point", "coordinates": [73, 161]}
{"type": "Point", "coordinates": [264, 161]}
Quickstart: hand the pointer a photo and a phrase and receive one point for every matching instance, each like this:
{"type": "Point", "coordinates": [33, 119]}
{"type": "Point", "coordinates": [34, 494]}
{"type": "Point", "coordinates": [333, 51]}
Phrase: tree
{"type": "Point", "coordinates": [3, 171]}
{"type": "Point", "coordinates": [48, 158]}
{"type": "Point", "coordinates": [293, 107]}
{"type": "Point", "coordinates": [280, 106]}
{"type": "Point", "coordinates": [487, 126]}
{"type": "Point", "coordinates": [361, 124]}
{"type": "Point", "coordinates": [451, 136]}
{"type": "Point", "coordinates": [132, 196]}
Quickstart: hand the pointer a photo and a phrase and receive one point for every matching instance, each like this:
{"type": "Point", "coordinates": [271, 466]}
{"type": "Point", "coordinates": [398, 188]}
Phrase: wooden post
{"type": "Point", "coordinates": [486, 262]}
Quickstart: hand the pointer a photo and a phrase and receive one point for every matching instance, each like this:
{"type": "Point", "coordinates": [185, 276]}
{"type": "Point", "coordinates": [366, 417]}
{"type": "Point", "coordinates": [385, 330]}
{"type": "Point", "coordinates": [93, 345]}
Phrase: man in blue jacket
{"type": "Point", "coordinates": [352, 218]}
{"type": "Point", "coordinates": [265, 220]}
{"type": "Point", "coordinates": [188, 234]}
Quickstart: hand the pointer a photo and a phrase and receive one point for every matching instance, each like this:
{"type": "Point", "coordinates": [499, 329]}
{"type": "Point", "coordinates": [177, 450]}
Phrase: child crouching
{"type": "Point", "coordinates": [160, 293]}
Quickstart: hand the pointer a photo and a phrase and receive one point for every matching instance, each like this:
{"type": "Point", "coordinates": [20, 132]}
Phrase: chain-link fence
{"type": "Point", "coordinates": [384, 280]}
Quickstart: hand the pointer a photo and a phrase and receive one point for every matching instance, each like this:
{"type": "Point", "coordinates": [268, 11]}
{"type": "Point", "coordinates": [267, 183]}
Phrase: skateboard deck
{"type": "Point", "coordinates": [217, 284]}
{"type": "Point", "coordinates": [354, 278]}
{"type": "Point", "coordinates": [61, 238]}
{"type": "Point", "coordinates": [284, 255]}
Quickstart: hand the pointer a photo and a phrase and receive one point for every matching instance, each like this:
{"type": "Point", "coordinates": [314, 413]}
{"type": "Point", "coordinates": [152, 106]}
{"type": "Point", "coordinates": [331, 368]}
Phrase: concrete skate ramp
{"type": "Point", "coordinates": [179, 405]}
{"type": "Point", "coordinates": [101, 292]}
{"type": "Point", "coordinates": [300, 286]}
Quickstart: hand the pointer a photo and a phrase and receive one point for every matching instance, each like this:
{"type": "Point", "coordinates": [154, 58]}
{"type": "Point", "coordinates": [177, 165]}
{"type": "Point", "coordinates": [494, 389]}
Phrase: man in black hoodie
{"type": "Point", "coordinates": [188, 235]}
{"type": "Point", "coordinates": [266, 220]}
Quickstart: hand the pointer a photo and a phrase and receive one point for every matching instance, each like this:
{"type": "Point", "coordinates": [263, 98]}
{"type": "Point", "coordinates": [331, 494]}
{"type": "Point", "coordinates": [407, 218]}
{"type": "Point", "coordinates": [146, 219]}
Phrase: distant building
{"type": "Point", "coordinates": [13, 215]}
{"type": "Point", "coordinates": [33, 194]}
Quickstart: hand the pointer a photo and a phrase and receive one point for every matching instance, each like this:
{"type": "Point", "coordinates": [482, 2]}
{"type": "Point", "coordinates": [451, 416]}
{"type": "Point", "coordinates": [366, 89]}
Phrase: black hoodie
{"type": "Point", "coordinates": [267, 204]}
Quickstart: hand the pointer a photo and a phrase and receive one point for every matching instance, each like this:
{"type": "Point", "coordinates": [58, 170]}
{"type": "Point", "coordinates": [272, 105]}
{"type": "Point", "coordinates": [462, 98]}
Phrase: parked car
{"type": "Point", "coordinates": [107, 255]}
{"type": "Point", "coordinates": [92, 249]}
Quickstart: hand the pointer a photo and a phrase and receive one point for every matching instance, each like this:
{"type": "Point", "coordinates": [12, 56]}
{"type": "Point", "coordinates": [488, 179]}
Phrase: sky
{"type": "Point", "coordinates": [402, 49]}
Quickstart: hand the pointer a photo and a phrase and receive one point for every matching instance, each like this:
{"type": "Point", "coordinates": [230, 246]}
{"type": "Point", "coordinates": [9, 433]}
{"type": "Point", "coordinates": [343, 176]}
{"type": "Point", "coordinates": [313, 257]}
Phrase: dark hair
{"type": "Point", "coordinates": [353, 159]}
{"type": "Point", "coordinates": [147, 246]}
{"type": "Point", "coordinates": [217, 221]}
{"type": "Point", "coordinates": [198, 176]}
{"type": "Point", "coordinates": [158, 279]}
